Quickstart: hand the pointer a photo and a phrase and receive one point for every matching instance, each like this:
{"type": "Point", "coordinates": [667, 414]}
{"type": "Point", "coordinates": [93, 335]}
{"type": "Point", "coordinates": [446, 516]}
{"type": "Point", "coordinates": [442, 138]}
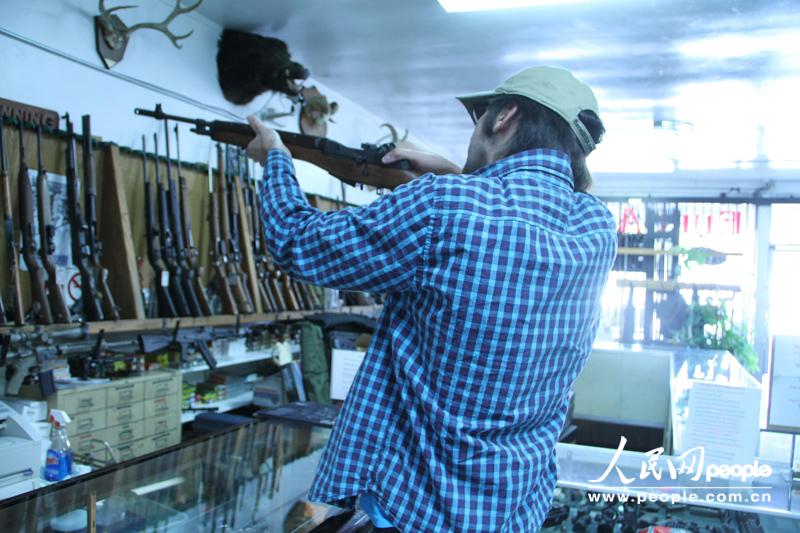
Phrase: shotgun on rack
{"type": "Point", "coordinates": [165, 308]}
{"type": "Point", "coordinates": [14, 288]}
{"type": "Point", "coordinates": [186, 275]}
{"type": "Point", "coordinates": [186, 221]}
{"type": "Point", "coordinates": [351, 165]}
{"type": "Point", "coordinates": [219, 250]}
{"type": "Point", "coordinates": [110, 309]}
{"type": "Point", "coordinates": [89, 304]}
{"type": "Point", "coordinates": [229, 216]}
{"type": "Point", "coordinates": [268, 302]}
{"type": "Point", "coordinates": [47, 247]}
{"type": "Point", "coordinates": [167, 246]}
{"type": "Point", "coordinates": [40, 305]}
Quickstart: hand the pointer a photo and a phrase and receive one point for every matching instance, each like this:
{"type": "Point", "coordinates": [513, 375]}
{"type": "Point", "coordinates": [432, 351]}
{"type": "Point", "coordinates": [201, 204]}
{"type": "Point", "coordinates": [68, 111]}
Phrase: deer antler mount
{"type": "Point", "coordinates": [112, 35]}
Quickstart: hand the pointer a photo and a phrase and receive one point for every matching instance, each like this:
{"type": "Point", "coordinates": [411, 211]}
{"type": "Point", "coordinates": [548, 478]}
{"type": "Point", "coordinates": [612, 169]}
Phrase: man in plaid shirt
{"type": "Point", "coordinates": [492, 275]}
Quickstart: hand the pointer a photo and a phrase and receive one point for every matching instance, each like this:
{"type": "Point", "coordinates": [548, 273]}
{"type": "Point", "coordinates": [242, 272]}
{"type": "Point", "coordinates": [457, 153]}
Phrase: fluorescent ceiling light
{"type": "Point", "coordinates": [460, 6]}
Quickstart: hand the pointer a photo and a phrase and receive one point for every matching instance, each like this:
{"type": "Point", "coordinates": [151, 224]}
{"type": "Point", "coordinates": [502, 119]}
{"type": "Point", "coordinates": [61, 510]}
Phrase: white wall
{"type": "Point", "coordinates": [32, 75]}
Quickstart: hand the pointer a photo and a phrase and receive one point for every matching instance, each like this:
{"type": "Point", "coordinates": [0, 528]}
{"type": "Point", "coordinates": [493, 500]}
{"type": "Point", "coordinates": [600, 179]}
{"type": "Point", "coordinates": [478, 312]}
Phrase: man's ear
{"type": "Point", "coordinates": [505, 118]}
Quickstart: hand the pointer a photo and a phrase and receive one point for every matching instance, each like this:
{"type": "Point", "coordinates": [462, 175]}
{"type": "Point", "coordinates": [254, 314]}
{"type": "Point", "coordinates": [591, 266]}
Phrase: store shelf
{"type": "Point", "coordinates": [247, 357]}
{"type": "Point", "coordinates": [158, 324]}
{"type": "Point", "coordinates": [223, 406]}
{"type": "Point", "coordinates": [230, 361]}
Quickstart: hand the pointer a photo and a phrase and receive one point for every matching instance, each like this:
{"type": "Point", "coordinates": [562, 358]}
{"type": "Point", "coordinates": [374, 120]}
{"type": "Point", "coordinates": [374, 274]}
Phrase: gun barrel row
{"type": "Point", "coordinates": [178, 287]}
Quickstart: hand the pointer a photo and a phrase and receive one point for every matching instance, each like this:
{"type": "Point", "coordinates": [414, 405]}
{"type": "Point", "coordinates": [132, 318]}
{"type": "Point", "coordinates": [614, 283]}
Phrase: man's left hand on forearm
{"type": "Point", "coordinates": [266, 139]}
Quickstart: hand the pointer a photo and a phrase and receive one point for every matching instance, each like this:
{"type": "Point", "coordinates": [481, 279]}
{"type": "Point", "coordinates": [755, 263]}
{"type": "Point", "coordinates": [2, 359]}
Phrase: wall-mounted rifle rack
{"type": "Point", "coordinates": [151, 239]}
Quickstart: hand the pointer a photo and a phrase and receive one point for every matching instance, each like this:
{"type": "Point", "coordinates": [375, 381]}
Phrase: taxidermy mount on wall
{"type": "Point", "coordinates": [250, 64]}
{"type": "Point", "coordinates": [112, 35]}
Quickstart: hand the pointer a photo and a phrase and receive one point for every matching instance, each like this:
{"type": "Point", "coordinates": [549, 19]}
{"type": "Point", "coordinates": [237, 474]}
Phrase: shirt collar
{"type": "Point", "coordinates": [550, 163]}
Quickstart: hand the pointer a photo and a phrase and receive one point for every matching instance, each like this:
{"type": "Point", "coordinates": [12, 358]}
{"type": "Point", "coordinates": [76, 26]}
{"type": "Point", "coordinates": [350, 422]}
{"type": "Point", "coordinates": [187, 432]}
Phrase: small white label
{"type": "Point", "coordinates": [164, 278]}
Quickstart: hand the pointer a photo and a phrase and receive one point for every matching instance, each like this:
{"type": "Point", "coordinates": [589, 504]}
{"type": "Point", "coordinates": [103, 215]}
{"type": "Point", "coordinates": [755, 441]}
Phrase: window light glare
{"type": "Point", "coordinates": [461, 6]}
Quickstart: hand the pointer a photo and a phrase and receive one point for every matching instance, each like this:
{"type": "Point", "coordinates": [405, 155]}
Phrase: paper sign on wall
{"type": "Point", "coordinates": [344, 366]}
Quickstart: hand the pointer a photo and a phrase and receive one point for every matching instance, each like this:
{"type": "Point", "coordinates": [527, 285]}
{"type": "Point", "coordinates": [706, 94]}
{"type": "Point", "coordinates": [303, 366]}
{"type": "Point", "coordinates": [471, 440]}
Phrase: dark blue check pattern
{"type": "Point", "coordinates": [493, 283]}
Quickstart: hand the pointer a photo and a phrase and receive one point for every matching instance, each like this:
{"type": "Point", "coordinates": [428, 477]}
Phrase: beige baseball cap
{"type": "Point", "coordinates": [553, 87]}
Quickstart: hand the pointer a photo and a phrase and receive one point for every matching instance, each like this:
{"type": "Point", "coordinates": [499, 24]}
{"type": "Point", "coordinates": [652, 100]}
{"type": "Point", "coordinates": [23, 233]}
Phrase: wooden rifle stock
{"type": "Point", "coordinates": [351, 165]}
{"type": "Point", "coordinates": [234, 271]}
{"type": "Point", "coordinates": [166, 240]}
{"type": "Point", "coordinates": [41, 307]}
{"type": "Point", "coordinates": [89, 302]}
{"type": "Point", "coordinates": [47, 247]}
{"type": "Point", "coordinates": [270, 300]}
{"type": "Point", "coordinates": [165, 305]}
{"type": "Point", "coordinates": [189, 246]}
{"type": "Point", "coordinates": [15, 288]}
{"type": "Point", "coordinates": [110, 309]}
{"type": "Point", "coordinates": [218, 248]}
{"type": "Point", "coordinates": [185, 275]}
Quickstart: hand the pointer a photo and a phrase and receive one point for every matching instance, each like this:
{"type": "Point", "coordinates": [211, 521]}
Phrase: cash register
{"type": "Point", "coordinates": [20, 453]}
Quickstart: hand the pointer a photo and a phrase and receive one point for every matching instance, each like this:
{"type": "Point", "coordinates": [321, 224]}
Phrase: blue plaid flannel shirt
{"type": "Point", "coordinates": [493, 285]}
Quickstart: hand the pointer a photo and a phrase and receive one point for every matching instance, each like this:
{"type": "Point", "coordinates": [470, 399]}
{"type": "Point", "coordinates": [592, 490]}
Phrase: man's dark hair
{"type": "Point", "coordinates": [539, 127]}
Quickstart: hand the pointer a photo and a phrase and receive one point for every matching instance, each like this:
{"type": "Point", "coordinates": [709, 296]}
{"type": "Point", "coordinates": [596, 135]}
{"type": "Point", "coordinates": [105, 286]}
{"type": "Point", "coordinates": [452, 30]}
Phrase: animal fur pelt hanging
{"type": "Point", "coordinates": [249, 64]}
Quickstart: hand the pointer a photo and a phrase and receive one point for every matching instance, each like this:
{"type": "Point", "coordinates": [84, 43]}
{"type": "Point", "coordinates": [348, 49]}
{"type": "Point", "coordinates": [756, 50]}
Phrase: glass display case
{"type": "Point", "coordinates": [251, 478]}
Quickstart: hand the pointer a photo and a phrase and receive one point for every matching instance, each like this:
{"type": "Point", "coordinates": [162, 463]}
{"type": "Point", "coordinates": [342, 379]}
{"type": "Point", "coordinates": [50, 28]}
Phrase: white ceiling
{"type": "Point", "coordinates": [728, 68]}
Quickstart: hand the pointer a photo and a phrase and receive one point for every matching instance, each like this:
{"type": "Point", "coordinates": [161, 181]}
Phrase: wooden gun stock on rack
{"type": "Point", "coordinates": [351, 165]}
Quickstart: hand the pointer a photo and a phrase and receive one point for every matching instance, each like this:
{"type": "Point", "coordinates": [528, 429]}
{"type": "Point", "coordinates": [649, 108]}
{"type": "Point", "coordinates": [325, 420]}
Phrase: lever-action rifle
{"type": "Point", "coordinates": [164, 304]}
{"type": "Point", "coordinates": [234, 246]}
{"type": "Point", "coordinates": [186, 275]}
{"type": "Point", "coordinates": [234, 268]}
{"type": "Point", "coordinates": [79, 232]}
{"type": "Point", "coordinates": [47, 247]}
{"type": "Point", "coordinates": [268, 300]}
{"type": "Point", "coordinates": [351, 165]}
{"type": "Point", "coordinates": [41, 307]}
{"type": "Point", "coordinates": [186, 221]}
{"type": "Point", "coordinates": [219, 250]}
{"type": "Point", "coordinates": [167, 245]}
{"type": "Point", "coordinates": [14, 288]}
{"type": "Point", "coordinates": [110, 308]}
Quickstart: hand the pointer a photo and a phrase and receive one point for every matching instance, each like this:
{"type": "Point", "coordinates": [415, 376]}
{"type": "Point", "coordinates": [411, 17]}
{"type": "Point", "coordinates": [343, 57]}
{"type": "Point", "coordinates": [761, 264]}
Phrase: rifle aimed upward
{"type": "Point", "coordinates": [351, 165]}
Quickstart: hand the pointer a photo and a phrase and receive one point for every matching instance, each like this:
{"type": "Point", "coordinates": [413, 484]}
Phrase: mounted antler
{"type": "Point", "coordinates": [112, 34]}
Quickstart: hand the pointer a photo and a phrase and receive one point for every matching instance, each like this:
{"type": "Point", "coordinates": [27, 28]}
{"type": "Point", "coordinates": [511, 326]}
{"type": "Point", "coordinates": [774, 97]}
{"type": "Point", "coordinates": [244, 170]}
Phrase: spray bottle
{"type": "Point", "coordinates": [58, 464]}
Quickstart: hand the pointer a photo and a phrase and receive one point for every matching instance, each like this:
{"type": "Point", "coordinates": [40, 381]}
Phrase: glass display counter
{"type": "Point", "coordinates": [252, 478]}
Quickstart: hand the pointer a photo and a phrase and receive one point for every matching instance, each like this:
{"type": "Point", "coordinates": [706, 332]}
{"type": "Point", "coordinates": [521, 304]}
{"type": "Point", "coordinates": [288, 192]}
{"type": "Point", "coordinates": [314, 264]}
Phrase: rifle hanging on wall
{"type": "Point", "coordinates": [351, 165]}
{"type": "Point", "coordinates": [229, 216]}
{"type": "Point", "coordinates": [219, 249]}
{"type": "Point", "coordinates": [268, 301]}
{"type": "Point", "coordinates": [14, 287]}
{"type": "Point", "coordinates": [166, 240]}
{"type": "Point", "coordinates": [110, 309]}
{"type": "Point", "coordinates": [89, 303]}
{"type": "Point", "coordinates": [192, 253]}
{"type": "Point", "coordinates": [185, 273]}
{"type": "Point", "coordinates": [40, 305]}
{"type": "Point", "coordinates": [47, 247]}
{"type": "Point", "coordinates": [165, 307]}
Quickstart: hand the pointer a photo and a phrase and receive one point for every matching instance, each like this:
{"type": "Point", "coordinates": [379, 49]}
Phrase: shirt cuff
{"type": "Point", "coordinates": [278, 162]}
